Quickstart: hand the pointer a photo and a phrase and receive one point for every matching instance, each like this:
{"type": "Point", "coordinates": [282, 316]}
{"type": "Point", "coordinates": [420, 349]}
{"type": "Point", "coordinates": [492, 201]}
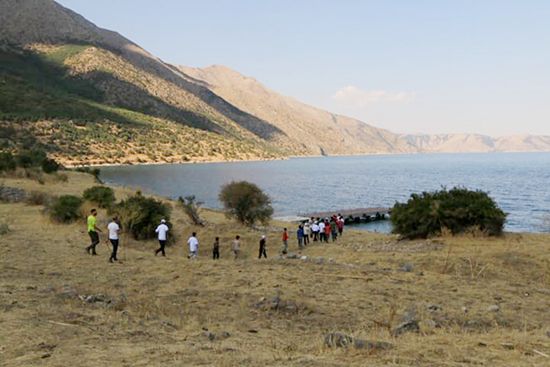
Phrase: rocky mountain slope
{"type": "Point", "coordinates": [89, 95]}
{"type": "Point", "coordinates": [298, 119]}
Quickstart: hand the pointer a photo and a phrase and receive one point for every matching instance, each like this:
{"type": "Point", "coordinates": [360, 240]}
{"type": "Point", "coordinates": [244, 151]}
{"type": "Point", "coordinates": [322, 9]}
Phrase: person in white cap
{"type": "Point", "coordinates": [162, 230]}
{"type": "Point", "coordinates": [262, 247]}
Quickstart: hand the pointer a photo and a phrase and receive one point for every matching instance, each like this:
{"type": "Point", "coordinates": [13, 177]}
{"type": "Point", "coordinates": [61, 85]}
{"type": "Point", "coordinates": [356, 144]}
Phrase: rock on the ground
{"type": "Point", "coordinates": [407, 267]}
{"type": "Point", "coordinates": [407, 326]}
{"type": "Point", "coordinates": [339, 340]}
{"type": "Point", "coordinates": [493, 308]}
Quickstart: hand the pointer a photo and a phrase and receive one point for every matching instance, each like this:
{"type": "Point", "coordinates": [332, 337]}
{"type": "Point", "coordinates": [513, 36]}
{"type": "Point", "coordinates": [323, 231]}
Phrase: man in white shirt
{"type": "Point", "coordinates": [113, 229]}
{"type": "Point", "coordinates": [315, 230]}
{"type": "Point", "coordinates": [193, 243]}
{"type": "Point", "coordinates": [321, 231]}
{"type": "Point", "coordinates": [161, 230]}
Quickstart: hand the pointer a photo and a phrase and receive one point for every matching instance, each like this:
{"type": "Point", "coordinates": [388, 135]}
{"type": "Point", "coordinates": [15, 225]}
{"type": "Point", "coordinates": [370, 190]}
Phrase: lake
{"type": "Point", "coordinates": [519, 182]}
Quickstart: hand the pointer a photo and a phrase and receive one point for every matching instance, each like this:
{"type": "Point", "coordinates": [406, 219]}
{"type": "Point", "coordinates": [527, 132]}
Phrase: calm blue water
{"type": "Point", "coordinates": [519, 182]}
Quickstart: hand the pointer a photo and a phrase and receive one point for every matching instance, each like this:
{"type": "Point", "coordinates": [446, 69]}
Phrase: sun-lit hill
{"type": "Point", "coordinates": [319, 131]}
{"type": "Point", "coordinates": [91, 96]}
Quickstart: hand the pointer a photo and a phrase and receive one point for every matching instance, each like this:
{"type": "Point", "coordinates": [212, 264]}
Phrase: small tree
{"type": "Point", "coordinates": [7, 162]}
{"type": "Point", "coordinates": [65, 209]}
{"type": "Point", "coordinates": [49, 165]}
{"type": "Point", "coordinates": [103, 196]}
{"type": "Point", "coordinates": [191, 208]}
{"type": "Point", "coordinates": [31, 158]}
{"type": "Point", "coordinates": [456, 210]}
{"type": "Point", "coordinates": [246, 202]}
{"type": "Point", "coordinates": [141, 215]}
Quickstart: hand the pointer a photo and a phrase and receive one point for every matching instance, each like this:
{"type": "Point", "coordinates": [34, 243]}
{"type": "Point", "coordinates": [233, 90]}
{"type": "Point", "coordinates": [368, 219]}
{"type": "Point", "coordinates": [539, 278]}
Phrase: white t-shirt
{"type": "Point", "coordinates": [315, 227]}
{"type": "Point", "coordinates": [321, 227]}
{"type": "Point", "coordinates": [113, 230]}
{"type": "Point", "coordinates": [193, 244]}
{"type": "Point", "coordinates": [161, 230]}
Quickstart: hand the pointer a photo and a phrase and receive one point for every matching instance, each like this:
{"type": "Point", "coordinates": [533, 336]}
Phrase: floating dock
{"type": "Point", "coordinates": [359, 215]}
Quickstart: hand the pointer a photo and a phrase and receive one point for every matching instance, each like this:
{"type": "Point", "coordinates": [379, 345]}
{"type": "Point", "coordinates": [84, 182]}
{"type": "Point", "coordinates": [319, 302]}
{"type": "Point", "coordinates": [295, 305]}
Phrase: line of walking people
{"type": "Point", "coordinates": [311, 230]}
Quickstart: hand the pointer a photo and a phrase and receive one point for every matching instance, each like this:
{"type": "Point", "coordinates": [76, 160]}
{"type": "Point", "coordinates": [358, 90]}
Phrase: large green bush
{"type": "Point", "coordinates": [65, 209]}
{"type": "Point", "coordinates": [7, 162]}
{"type": "Point", "coordinates": [246, 202]}
{"type": "Point", "coordinates": [456, 210]}
{"type": "Point", "coordinates": [103, 196]}
{"type": "Point", "coordinates": [141, 215]}
{"type": "Point", "coordinates": [49, 165]}
{"type": "Point", "coordinates": [31, 158]}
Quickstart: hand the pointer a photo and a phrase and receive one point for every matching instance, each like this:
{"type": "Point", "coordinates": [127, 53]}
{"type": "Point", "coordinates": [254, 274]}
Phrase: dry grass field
{"type": "Point", "coordinates": [476, 301]}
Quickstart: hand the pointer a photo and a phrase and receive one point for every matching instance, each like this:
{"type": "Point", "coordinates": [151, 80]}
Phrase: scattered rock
{"type": "Point", "coordinates": [493, 308]}
{"type": "Point", "coordinates": [276, 303]}
{"type": "Point", "coordinates": [404, 327]}
{"type": "Point", "coordinates": [96, 298]}
{"type": "Point", "coordinates": [68, 292]}
{"type": "Point", "coordinates": [407, 267]}
{"type": "Point", "coordinates": [433, 308]}
{"type": "Point", "coordinates": [409, 314]}
{"type": "Point", "coordinates": [253, 331]}
{"type": "Point", "coordinates": [303, 258]}
{"type": "Point", "coordinates": [209, 335]}
{"type": "Point", "coordinates": [339, 340]}
{"type": "Point", "coordinates": [548, 333]}
{"type": "Point", "coordinates": [464, 309]}
{"type": "Point", "coordinates": [481, 344]}
{"type": "Point", "coordinates": [292, 255]}
{"type": "Point", "coordinates": [509, 346]}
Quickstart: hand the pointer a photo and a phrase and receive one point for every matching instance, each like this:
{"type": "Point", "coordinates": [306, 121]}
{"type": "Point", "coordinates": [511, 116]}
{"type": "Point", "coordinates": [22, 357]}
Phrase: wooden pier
{"type": "Point", "coordinates": [351, 216]}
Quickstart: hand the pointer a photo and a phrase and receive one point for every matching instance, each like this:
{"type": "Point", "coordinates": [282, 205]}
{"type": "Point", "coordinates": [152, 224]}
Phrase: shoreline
{"type": "Point", "coordinates": [72, 166]}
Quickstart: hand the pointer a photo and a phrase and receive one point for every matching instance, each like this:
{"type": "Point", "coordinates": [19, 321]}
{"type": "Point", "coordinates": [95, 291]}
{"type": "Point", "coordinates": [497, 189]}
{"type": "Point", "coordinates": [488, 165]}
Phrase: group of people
{"type": "Point", "coordinates": [318, 229]}
{"type": "Point", "coordinates": [313, 229]}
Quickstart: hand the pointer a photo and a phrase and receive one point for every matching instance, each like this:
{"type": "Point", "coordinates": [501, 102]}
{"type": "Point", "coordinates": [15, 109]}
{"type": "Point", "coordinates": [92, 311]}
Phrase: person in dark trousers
{"type": "Point", "coordinates": [113, 229]}
{"type": "Point", "coordinates": [300, 236]}
{"type": "Point", "coordinates": [284, 250]}
{"type": "Point", "coordinates": [92, 232]}
{"type": "Point", "coordinates": [161, 231]}
{"type": "Point", "coordinates": [262, 248]}
{"type": "Point", "coordinates": [216, 249]}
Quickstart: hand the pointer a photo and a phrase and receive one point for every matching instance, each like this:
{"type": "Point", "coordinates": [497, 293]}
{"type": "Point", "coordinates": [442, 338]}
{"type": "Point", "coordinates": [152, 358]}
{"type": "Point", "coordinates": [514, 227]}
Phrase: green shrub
{"type": "Point", "coordinates": [103, 196]}
{"type": "Point", "coordinates": [7, 162]}
{"type": "Point", "coordinates": [65, 209]}
{"type": "Point", "coordinates": [246, 202]}
{"type": "Point", "coordinates": [456, 210]}
{"type": "Point", "coordinates": [50, 165]}
{"type": "Point", "coordinates": [31, 158]}
{"type": "Point", "coordinates": [141, 215]}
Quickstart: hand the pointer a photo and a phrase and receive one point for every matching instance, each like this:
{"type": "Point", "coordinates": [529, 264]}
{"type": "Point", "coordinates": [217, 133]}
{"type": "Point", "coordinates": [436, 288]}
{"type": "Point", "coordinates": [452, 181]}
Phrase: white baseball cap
{"type": "Point", "coordinates": [163, 220]}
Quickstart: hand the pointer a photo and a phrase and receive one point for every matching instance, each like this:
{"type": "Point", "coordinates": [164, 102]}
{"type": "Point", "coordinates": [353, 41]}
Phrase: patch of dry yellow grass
{"type": "Point", "coordinates": [161, 306]}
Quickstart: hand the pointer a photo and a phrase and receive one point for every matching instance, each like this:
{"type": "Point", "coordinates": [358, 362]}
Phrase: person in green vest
{"type": "Point", "coordinates": [92, 232]}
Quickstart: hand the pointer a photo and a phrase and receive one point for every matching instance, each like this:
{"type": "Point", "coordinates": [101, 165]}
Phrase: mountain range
{"type": "Point", "coordinates": [91, 96]}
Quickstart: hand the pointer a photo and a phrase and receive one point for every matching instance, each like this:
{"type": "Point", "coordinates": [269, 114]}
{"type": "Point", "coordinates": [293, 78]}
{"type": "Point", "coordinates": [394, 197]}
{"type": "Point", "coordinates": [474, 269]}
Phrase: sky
{"type": "Point", "coordinates": [410, 66]}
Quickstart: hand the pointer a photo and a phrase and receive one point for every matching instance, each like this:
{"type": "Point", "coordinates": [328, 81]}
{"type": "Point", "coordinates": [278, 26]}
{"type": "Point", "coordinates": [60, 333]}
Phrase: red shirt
{"type": "Point", "coordinates": [327, 228]}
{"type": "Point", "coordinates": [285, 236]}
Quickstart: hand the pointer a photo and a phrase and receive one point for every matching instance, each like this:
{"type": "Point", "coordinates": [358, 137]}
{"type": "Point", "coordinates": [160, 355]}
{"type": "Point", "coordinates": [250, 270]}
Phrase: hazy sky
{"type": "Point", "coordinates": [408, 66]}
